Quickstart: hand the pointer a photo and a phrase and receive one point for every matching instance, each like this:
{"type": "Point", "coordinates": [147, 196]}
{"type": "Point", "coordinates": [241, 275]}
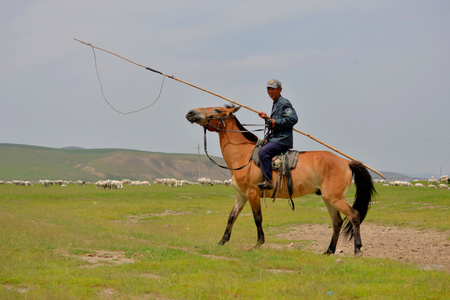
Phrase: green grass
{"type": "Point", "coordinates": [411, 206]}
{"type": "Point", "coordinates": [45, 233]}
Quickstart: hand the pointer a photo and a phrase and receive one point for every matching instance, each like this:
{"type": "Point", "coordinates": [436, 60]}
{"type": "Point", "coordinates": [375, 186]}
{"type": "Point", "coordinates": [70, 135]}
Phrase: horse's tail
{"type": "Point", "coordinates": [365, 190]}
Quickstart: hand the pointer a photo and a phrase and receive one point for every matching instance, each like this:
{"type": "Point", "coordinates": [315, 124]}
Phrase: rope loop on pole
{"type": "Point", "coordinates": [106, 100]}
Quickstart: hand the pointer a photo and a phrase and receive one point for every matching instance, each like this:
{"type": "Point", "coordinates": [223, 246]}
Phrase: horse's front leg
{"type": "Point", "coordinates": [235, 211]}
{"type": "Point", "coordinates": [255, 203]}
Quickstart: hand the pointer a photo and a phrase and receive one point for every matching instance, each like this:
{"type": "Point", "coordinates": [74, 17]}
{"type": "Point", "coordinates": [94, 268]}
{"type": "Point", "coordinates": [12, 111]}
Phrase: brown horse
{"type": "Point", "coordinates": [320, 172]}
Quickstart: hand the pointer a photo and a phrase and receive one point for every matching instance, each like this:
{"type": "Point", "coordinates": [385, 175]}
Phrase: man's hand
{"type": "Point", "coordinates": [270, 123]}
{"type": "Point", "coordinates": [263, 115]}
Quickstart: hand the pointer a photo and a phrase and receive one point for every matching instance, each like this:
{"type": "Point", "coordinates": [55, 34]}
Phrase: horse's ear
{"type": "Point", "coordinates": [236, 109]}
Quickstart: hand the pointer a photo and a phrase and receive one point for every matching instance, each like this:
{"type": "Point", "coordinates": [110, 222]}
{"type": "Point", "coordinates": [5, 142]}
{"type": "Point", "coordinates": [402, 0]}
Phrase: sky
{"type": "Point", "coordinates": [370, 78]}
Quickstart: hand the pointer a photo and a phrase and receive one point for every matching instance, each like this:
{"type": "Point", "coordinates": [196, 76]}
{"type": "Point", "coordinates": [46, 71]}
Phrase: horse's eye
{"type": "Point", "coordinates": [217, 110]}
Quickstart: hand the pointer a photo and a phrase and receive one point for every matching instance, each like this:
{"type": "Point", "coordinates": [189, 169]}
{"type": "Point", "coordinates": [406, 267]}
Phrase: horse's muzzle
{"type": "Point", "coordinates": [194, 116]}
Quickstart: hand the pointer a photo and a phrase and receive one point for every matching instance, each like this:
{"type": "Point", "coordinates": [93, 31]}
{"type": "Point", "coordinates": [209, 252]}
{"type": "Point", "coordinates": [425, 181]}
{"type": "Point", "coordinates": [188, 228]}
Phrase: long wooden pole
{"type": "Point", "coordinates": [227, 99]}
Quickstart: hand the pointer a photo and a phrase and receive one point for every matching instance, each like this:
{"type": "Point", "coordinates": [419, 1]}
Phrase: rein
{"type": "Point", "coordinates": [205, 127]}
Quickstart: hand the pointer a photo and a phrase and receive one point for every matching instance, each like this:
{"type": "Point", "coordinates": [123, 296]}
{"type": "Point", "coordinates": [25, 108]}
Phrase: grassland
{"type": "Point", "coordinates": [77, 242]}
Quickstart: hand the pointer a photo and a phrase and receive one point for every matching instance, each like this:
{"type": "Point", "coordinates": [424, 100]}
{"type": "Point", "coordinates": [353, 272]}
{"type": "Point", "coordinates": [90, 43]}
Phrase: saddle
{"type": "Point", "coordinates": [289, 157]}
{"type": "Point", "coordinates": [283, 163]}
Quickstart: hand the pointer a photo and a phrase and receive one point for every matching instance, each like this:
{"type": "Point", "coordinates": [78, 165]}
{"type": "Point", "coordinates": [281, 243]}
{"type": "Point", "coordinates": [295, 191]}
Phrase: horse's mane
{"type": "Point", "coordinates": [248, 135]}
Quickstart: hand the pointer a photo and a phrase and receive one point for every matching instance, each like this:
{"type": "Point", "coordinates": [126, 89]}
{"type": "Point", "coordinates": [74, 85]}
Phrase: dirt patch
{"type": "Point", "coordinates": [106, 257]}
{"type": "Point", "coordinates": [217, 257]}
{"type": "Point", "coordinates": [171, 212]}
{"type": "Point", "coordinates": [429, 248]}
{"type": "Point", "coordinates": [100, 258]}
{"type": "Point", "coordinates": [21, 290]}
{"type": "Point", "coordinates": [280, 271]}
{"type": "Point", "coordinates": [152, 276]}
{"type": "Point", "coordinates": [142, 217]}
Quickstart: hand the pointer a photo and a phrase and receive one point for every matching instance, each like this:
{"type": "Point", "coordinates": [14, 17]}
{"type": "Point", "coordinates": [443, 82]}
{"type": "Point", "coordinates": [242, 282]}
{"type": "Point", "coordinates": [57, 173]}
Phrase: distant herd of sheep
{"type": "Point", "coordinates": [118, 184]}
{"type": "Point", "coordinates": [433, 183]}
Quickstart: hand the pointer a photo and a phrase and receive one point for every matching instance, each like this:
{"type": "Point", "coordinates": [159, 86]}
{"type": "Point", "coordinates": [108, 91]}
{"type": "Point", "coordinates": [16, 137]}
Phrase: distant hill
{"type": "Point", "coordinates": [392, 176]}
{"type": "Point", "coordinates": [71, 148]}
{"type": "Point", "coordinates": [404, 177]}
{"type": "Point", "coordinates": [26, 162]}
{"type": "Point", "coordinates": [34, 163]}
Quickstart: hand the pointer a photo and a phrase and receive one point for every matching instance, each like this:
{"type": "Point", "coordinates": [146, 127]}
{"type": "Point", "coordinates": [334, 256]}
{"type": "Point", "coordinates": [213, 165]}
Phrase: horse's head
{"type": "Point", "coordinates": [213, 116]}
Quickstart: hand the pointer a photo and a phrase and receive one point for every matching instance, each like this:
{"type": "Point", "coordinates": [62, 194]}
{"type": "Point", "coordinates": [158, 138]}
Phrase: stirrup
{"type": "Point", "coordinates": [265, 185]}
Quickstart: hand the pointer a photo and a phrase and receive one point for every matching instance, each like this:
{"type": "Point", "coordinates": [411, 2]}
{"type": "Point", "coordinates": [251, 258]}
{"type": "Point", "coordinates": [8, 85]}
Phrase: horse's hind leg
{"type": "Point", "coordinates": [353, 217]}
{"type": "Point", "coordinates": [336, 219]}
{"type": "Point", "coordinates": [356, 233]}
{"type": "Point", "coordinates": [235, 211]}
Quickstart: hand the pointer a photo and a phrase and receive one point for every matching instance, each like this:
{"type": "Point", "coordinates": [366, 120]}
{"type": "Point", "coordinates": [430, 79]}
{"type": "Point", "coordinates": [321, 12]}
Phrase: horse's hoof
{"type": "Point", "coordinates": [358, 253]}
{"type": "Point", "coordinates": [328, 252]}
{"type": "Point", "coordinates": [221, 243]}
{"type": "Point", "coordinates": [257, 245]}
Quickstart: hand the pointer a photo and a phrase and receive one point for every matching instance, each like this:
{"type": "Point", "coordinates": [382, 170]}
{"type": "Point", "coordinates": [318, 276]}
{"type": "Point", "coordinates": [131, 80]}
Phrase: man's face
{"type": "Point", "coordinates": [274, 94]}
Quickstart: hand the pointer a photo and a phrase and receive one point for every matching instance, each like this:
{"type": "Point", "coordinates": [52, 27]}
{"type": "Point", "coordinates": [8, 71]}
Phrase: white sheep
{"type": "Point", "coordinates": [46, 182]}
{"type": "Point", "coordinates": [444, 179]}
{"type": "Point", "coordinates": [116, 184]}
{"type": "Point", "coordinates": [433, 180]}
{"type": "Point", "coordinates": [181, 183]}
{"type": "Point", "coordinates": [101, 184]}
{"type": "Point", "coordinates": [443, 186]}
{"type": "Point", "coordinates": [205, 181]}
{"type": "Point", "coordinates": [170, 182]}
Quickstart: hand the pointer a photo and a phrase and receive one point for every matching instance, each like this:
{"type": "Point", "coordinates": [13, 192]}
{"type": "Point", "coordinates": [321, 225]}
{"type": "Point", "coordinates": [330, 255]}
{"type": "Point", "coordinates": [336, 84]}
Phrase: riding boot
{"type": "Point", "coordinates": [265, 185]}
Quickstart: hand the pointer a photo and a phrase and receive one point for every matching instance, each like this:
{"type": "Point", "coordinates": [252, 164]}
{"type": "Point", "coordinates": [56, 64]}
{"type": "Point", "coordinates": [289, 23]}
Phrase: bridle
{"type": "Point", "coordinates": [221, 127]}
{"type": "Point", "coordinates": [208, 118]}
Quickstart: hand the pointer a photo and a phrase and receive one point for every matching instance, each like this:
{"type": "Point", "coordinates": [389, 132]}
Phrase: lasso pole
{"type": "Point", "coordinates": [227, 99]}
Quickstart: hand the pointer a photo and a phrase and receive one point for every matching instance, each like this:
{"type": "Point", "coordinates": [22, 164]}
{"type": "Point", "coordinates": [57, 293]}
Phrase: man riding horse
{"type": "Point", "coordinates": [280, 137]}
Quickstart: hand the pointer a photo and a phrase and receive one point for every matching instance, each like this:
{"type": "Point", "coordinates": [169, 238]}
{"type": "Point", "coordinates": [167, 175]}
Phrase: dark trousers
{"type": "Point", "coordinates": [266, 153]}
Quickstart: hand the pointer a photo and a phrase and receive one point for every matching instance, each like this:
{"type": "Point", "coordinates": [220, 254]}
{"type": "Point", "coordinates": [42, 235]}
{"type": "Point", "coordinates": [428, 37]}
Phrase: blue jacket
{"type": "Point", "coordinates": [285, 118]}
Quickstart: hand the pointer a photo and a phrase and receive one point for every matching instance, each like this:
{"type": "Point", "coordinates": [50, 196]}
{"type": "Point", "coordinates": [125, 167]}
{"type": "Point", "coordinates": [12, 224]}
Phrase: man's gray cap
{"type": "Point", "coordinates": [274, 83]}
